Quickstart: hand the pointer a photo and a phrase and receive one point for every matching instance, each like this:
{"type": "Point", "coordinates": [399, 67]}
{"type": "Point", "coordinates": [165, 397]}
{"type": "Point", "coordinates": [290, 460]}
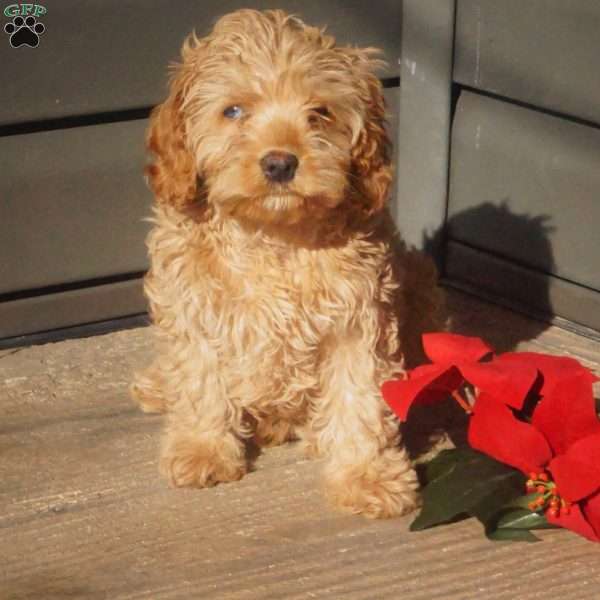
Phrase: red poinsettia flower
{"type": "Point", "coordinates": [456, 359]}
{"type": "Point", "coordinates": [526, 448]}
{"type": "Point", "coordinates": [560, 447]}
{"type": "Point", "coordinates": [561, 444]}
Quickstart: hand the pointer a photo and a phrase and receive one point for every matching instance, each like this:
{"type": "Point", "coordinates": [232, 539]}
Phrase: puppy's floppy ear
{"type": "Point", "coordinates": [172, 172]}
{"type": "Point", "coordinates": [371, 168]}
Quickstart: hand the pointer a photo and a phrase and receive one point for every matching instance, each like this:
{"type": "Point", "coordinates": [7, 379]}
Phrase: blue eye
{"type": "Point", "coordinates": [233, 112]}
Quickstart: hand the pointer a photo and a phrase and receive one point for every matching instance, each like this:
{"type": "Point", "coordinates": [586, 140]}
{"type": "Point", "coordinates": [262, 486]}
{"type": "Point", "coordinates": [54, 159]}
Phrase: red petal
{"type": "Point", "coordinates": [450, 348]}
{"type": "Point", "coordinates": [577, 473]}
{"type": "Point", "coordinates": [508, 382]}
{"type": "Point", "coordinates": [552, 368]}
{"type": "Point", "coordinates": [494, 429]}
{"type": "Point", "coordinates": [575, 521]}
{"type": "Point", "coordinates": [591, 511]}
{"type": "Point", "coordinates": [567, 412]}
{"type": "Point", "coordinates": [426, 384]}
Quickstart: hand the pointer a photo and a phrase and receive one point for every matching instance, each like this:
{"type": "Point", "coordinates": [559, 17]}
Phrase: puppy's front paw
{"type": "Point", "coordinates": [385, 487]}
{"type": "Point", "coordinates": [189, 462]}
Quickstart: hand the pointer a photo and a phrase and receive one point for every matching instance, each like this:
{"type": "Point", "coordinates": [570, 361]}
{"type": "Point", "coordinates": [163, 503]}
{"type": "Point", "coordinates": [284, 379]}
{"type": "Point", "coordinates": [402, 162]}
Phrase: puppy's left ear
{"type": "Point", "coordinates": [371, 162]}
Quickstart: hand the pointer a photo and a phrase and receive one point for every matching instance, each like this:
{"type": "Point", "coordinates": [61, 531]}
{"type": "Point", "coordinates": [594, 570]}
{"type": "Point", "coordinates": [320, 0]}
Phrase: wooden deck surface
{"type": "Point", "coordinates": [84, 514]}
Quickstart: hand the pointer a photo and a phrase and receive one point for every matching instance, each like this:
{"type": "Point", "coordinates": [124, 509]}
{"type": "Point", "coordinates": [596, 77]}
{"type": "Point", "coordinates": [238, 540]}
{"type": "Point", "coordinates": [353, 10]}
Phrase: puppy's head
{"type": "Point", "coordinates": [268, 121]}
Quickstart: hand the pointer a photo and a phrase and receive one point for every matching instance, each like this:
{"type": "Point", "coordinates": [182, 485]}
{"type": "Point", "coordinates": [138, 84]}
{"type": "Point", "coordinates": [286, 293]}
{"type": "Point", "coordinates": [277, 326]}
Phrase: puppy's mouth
{"type": "Point", "coordinates": [282, 201]}
{"type": "Point", "coordinates": [286, 201]}
{"type": "Point", "coordinates": [283, 207]}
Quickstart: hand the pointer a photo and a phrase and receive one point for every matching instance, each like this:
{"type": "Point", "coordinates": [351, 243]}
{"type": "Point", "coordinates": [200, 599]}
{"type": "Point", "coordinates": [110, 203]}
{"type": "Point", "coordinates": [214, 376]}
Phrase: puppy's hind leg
{"type": "Point", "coordinates": [147, 389]}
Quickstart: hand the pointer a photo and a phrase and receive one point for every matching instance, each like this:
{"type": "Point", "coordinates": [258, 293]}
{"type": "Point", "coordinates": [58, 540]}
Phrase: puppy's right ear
{"type": "Point", "coordinates": [172, 172]}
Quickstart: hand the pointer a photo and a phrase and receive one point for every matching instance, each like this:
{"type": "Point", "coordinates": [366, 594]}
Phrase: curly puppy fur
{"type": "Point", "coordinates": [281, 299]}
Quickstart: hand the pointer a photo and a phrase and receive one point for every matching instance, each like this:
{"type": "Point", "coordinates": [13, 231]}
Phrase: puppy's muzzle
{"type": "Point", "coordinates": [279, 167]}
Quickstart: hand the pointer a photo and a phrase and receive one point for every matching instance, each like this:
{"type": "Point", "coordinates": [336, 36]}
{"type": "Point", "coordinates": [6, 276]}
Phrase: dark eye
{"type": "Point", "coordinates": [233, 112]}
{"type": "Point", "coordinates": [320, 113]}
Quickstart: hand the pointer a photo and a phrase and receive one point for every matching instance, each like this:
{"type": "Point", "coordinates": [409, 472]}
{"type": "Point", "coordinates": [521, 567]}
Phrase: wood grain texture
{"type": "Point", "coordinates": [83, 513]}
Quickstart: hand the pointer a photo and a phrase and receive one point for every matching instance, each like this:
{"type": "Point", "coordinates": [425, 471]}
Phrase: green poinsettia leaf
{"type": "Point", "coordinates": [465, 482]}
{"type": "Point", "coordinates": [512, 535]}
{"type": "Point", "coordinates": [488, 509]}
{"type": "Point", "coordinates": [522, 518]}
{"type": "Point", "coordinates": [442, 464]}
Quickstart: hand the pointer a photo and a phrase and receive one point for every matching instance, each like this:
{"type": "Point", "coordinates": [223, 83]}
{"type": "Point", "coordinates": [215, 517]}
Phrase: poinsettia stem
{"type": "Point", "coordinates": [462, 402]}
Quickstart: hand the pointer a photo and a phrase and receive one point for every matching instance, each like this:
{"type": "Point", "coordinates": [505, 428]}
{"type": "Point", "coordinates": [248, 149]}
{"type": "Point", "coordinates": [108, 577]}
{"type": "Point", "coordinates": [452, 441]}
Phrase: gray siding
{"type": "Point", "coordinates": [424, 119]}
{"type": "Point", "coordinates": [528, 290]}
{"type": "Point", "coordinates": [525, 156]}
{"type": "Point", "coordinates": [69, 308]}
{"type": "Point", "coordinates": [112, 55]}
{"type": "Point", "coordinates": [526, 185]}
{"type": "Point", "coordinates": [72, 206]}
{"type": "Point", "coordinates": [544, 52]}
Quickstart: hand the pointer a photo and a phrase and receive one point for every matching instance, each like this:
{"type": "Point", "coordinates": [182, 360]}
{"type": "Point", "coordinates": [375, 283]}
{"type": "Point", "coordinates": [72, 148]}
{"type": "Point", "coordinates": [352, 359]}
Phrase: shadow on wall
{"type": "Point", "coordinates": [481, 228]}
{"type": "Point", "coordinates": [504, 330]}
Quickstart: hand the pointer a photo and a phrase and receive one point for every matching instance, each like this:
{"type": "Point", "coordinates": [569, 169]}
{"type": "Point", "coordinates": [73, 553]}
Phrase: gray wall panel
{"type": "Point", "coordinates": [72, 206]}
{"type": "Point", "coordinates": [544, 52]}
{"type": "Point", "coordinates": [424, 119]}
{"type": "Point", "coordinates": [104, 55]}
{"type": "Point", "coordinates": [522, 288]}
{"type": "Point", "coordinates": [526, 185]}
{"type": "Point", "coordinates": [66, 309]}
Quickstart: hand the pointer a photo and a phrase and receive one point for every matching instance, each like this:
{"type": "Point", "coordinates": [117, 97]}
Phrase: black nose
{"type": "Point", "coordinates": [279, 166]}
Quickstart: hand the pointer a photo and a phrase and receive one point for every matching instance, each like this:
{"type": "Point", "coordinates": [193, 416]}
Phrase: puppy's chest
{"type": "Point", "coordinates": [285, 295]}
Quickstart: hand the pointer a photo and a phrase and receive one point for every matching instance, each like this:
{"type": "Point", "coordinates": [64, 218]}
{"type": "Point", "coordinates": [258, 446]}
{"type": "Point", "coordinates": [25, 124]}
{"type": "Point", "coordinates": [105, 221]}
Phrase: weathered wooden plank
{"type": "Point", "coordinates": [83, 513]}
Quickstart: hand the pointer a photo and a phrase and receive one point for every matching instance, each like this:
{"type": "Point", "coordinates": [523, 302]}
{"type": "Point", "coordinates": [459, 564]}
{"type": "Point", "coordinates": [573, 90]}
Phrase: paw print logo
{"type": "Point", "coordinates": [24, 32]}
